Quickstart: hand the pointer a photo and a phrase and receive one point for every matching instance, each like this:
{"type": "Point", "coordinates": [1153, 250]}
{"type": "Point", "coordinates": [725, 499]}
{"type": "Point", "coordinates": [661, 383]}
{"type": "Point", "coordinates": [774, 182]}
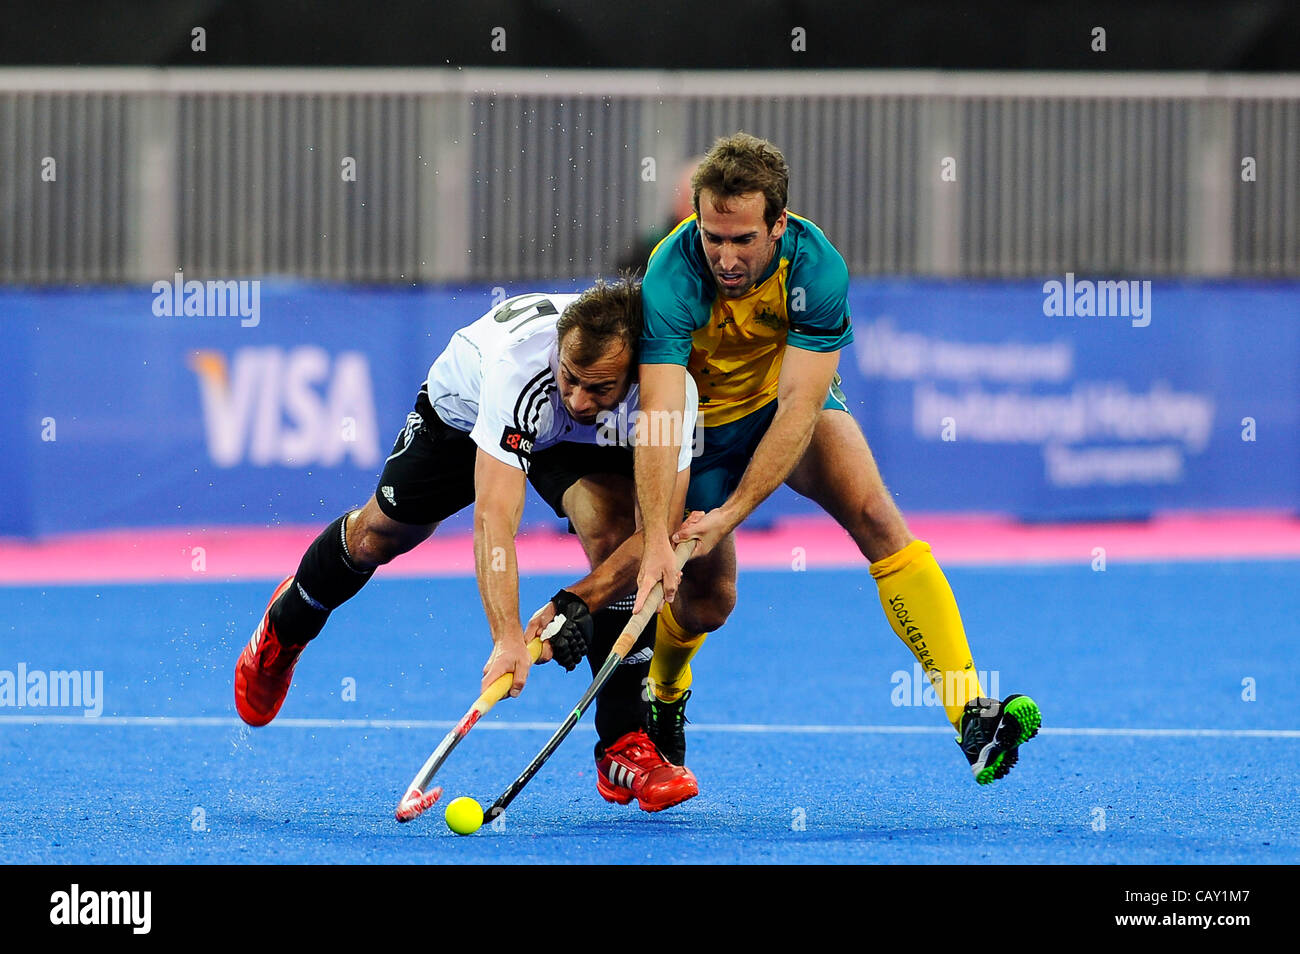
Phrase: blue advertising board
{"type": "Point", "coordinates": [983, 396]}
{"type": "Point", "coordinates": [122, 410]}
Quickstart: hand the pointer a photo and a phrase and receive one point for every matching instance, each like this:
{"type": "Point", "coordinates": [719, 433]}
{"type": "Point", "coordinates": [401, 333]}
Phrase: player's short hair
{"type": "Point", "coordinates": [606, 313]}
{"type": "Point", "coordinates": [739, 164]}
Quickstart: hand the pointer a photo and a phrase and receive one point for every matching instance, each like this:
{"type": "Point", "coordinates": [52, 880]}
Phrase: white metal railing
{"type": "Point", "coordinates": [110, 175]}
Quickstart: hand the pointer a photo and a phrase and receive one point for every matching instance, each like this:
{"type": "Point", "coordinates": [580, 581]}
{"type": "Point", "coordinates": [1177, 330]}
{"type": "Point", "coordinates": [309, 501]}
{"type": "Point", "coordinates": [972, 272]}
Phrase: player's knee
{"type": "Point", "coordinates": [371, 546]}
{"type": "Point", "coordinates": [879, 523]}
{"type": "Point", "coordinates": [711, 613]}
{"type": "Point", "coordinates": [371, 549]}
{"type": "Point", "coordinates": [602, 532]}
{"type": "Point", "coordinates": [601, 543]}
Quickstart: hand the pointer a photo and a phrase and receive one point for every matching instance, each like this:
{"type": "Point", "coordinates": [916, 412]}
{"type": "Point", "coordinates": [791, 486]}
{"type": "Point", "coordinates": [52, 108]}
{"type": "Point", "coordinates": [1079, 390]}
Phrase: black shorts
{"type": "Point", "coordinates": [557, 468]}
{"type": "Point", "coordinates": [430, 474]}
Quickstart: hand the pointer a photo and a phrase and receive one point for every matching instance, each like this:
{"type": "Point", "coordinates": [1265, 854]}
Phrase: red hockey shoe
{"type": "Point", "coordinates": [633, 768]}
{"type": "Point", "coordinates": [264, 669]}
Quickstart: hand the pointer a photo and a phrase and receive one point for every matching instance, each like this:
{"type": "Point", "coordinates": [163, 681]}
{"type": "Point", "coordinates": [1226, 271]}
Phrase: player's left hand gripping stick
{"type": "Point", "coordinates": [622, 646]}
{"type": "Point", "coordinates": [419, 797]}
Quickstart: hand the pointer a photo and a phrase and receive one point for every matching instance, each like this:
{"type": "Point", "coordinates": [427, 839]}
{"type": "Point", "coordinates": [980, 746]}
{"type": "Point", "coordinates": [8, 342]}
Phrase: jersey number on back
{"type": "Point", "coordinates": [524, 307]}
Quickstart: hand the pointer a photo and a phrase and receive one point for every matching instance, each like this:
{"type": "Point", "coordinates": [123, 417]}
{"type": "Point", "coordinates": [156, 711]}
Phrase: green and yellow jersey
{"type": "Point", "coordinates": [733, 346]}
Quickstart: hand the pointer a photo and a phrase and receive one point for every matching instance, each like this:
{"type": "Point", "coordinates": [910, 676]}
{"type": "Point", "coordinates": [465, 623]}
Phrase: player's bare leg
{"type": "Point", "coordinates": [601, 509]}
{"type": "Point", "coordinates": [707, 594]}
{"type": "Point", "coordinates": [839, 472]}
{"type": "Point", "coordinates": [374, 538]}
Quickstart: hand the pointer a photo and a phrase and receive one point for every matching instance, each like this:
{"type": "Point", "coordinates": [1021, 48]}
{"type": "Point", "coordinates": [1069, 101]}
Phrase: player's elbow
{"type": "Point", "coordinates": [801, 399]}
{"type": "Point", "coordinates": [799, 410]}
{"type": "Point", "coordinates": [495, 517]}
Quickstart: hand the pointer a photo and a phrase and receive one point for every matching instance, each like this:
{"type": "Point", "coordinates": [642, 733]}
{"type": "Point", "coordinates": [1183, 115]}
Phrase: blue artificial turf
{"type": "Point", "coordinates": [802, 755]}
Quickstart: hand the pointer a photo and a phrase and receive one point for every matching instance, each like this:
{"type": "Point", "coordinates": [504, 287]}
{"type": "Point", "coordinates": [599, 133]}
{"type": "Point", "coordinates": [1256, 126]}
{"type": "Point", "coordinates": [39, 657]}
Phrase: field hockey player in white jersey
{"type": "Point", "coordinates": [541, 389]}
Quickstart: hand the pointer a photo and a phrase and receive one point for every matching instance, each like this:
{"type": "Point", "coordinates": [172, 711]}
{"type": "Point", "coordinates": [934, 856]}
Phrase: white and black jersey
{"type": "Point", "coordinates": [497, 381]}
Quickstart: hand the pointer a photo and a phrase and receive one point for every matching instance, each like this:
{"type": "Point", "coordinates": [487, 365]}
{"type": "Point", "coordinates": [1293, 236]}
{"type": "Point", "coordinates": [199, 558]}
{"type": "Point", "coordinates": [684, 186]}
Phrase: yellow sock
{"type": "Point", "coordinates": [670, 668]}
{"type": "Point", "coordinates": [920, 607]}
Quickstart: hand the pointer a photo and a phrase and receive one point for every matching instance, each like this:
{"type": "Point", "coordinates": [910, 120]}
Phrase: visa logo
{"type": "Point", "coordinates": [293, 407]}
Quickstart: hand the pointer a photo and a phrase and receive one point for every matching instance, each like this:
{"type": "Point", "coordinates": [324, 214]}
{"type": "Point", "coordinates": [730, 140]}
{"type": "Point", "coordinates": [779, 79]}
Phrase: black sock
{"type": "Point", "coordinates": [621, 705]}
{"type": "Point", "coordinates": [326, 579]}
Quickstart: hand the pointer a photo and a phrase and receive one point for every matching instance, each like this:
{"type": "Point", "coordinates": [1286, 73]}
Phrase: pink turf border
{"type": "Point", "coordinates": [252, 553]}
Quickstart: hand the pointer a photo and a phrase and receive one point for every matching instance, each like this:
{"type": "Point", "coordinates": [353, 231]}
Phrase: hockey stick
{"type": "Point", "coordinates": [419, 797]}
{"type": "Point", "coordinates": [631, 633]}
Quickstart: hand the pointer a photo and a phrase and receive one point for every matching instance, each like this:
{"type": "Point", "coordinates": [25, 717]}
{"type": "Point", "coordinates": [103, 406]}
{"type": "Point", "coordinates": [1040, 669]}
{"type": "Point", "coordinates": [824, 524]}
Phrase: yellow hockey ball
{"type": "Point", "coordinates": [464, 815]}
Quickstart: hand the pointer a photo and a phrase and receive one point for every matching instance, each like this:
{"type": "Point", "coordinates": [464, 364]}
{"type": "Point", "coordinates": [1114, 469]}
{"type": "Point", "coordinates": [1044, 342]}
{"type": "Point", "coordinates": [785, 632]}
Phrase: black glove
{"type": "Point", "coordinates": [573, 639]}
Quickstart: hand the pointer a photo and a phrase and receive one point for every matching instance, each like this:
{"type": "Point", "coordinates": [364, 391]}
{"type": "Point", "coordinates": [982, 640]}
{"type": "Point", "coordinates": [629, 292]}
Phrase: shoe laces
{"type": "Point", "coordinates": [973, 727]}
{"type": "Point", "coordinates": [640, 749]}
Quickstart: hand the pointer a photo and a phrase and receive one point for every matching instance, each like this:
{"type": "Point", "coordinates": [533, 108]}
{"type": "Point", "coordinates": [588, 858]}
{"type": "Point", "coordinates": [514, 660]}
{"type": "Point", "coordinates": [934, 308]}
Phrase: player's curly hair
{"type": "Point", "coordinates": [605, 313]}
{"type": "Point", "coordinates": [739, 164]}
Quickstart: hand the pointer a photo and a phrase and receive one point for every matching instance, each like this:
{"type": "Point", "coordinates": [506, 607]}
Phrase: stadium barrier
{"type": "Point", "coordinates": [1061, 398]}
{"type": "Point", "coordinates": [450, 175]}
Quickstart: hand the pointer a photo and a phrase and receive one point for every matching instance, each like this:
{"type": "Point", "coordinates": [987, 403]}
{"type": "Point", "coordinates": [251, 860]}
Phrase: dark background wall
{"type": "Point", "coordinates": [1238, 35]}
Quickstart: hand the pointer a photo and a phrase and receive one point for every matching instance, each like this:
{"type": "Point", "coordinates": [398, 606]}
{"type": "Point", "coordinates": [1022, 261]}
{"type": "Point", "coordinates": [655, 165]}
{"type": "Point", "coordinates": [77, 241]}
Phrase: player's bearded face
{"type": "Point", "coordinates": [589, 389]}
{"type": "Point", "coordinates": [737, 241]}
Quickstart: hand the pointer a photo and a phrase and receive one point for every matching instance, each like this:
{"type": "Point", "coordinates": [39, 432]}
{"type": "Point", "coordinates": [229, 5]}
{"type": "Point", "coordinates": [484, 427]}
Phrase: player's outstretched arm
{"type": "Point", "coordinates": [498, 507]}
{"type": "Point", "coordinates": [663, 398]}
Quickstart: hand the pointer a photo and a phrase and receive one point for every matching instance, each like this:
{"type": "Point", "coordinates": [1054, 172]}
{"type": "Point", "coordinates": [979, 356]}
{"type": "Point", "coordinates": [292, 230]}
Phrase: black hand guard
{"type": "Point", "coordinates": [571, 643]}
